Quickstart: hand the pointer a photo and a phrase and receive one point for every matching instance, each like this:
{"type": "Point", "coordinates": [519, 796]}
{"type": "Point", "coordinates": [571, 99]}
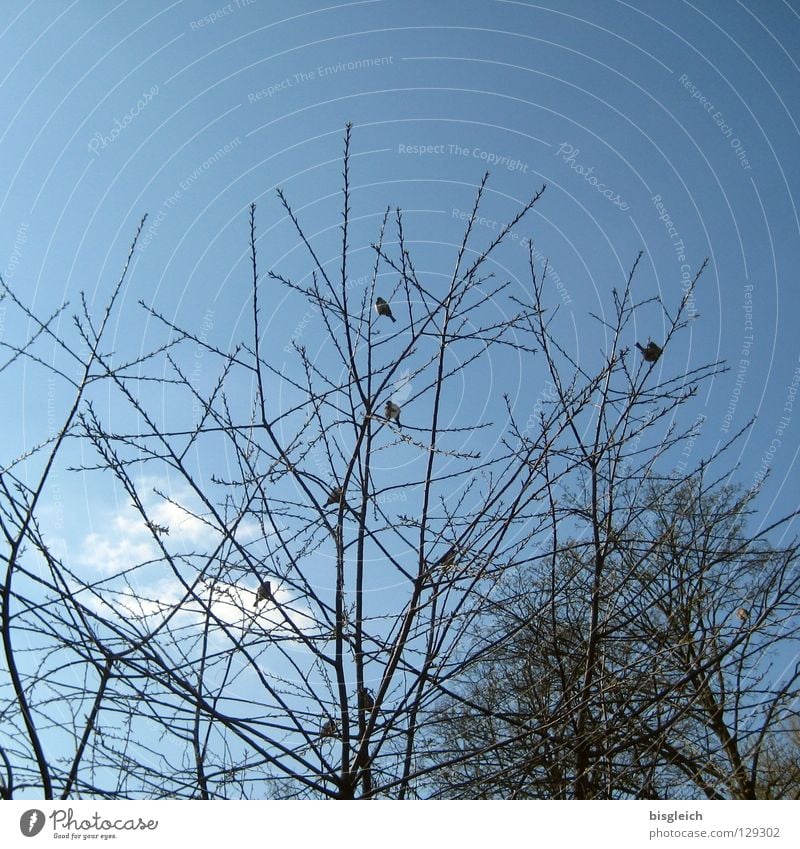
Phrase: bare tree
{"type": "Point", "coordinates": [293, 647]}
{"type": "Point", "coordinates": [649, 651]}
{"type": "Point", "coordinates": [329, 551]}
{"type": "Point", "coordinates": [778, 770]}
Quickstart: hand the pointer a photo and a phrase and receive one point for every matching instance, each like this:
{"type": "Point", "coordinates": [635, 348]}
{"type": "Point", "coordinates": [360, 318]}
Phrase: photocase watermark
{"type": "Point", "coordinates": [155, 223]}
{"type": "Point", "coordinates": [20, 239]}
{"type": "Point", "coordinates": [206, 326]}
{"type": "Point", "coordinates": [53, 429]}
{"type": "Point", "coordinates": [208, 163]}
{"type": "Point", "coordinates": [782, 425]}
{"type": "Point", "coordinates": [32, 822]}
{"type": "Point", "coordinates": [318, 73]}
{"type": "Point", "coordinates": [744, 359]}
{"type": "Point", "coordinates": [390, 497]}
{"type": "Point", "coordinates": [65, 825]}
{"type": "Point", "coordinates": [219, 14]}
{"type": "Point", "coordinates": [569, 155]}
{"type": "Point", "coordinates": [403, 388]}
{"type": "Point", "coordinates": [447, 149]}
{"type": "Point", "coordinates": [314, 309]}
{"type": "Point", "coordinates": [547, 396]}
{"type": "Point", "coordinates": [719, 119]}
{"type": "Point", "coordinates": [300, 327]}
{"type": "Point", "coordinates": [680, 254]}
{"type": "Point", "coordinates": [683, 464]}
{"type": "Point", "coordinates": [100, 141]}
{"type": "Point", "coordinates": [791, 395]}
{"type": "Point", "coordinates": [523, 241]}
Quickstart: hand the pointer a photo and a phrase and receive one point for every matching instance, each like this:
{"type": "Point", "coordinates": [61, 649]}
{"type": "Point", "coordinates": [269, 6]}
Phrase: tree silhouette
{"type": "Point", "coordinates": [321, 603]}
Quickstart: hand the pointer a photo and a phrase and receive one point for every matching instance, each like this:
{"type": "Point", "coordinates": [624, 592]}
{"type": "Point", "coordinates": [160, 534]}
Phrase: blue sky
{"type": "Point", "coordinates": [670, 129]}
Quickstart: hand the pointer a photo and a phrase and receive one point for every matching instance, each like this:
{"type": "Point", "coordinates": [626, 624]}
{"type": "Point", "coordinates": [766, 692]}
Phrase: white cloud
{"type": "Point", "coordinates": [123, 548]}
{"type": "Point", "coordinates": [181, 523]}
{"type": "Point", "coordinates": [126, 540]}
{"type": "Point", "coordinates": [123, 544]}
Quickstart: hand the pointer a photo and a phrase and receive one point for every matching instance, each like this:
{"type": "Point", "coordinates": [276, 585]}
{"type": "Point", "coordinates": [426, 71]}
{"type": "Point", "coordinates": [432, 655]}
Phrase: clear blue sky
{"type": "Point", "coordinates": [191, 110]}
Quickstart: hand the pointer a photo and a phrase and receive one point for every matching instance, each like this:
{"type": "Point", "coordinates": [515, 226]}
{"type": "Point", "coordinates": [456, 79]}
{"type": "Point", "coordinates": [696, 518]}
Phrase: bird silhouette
{"type": "Point", "coordinates": [651, 352]}
{"type": "Point", "coordinates": [335, 497]}
{"type": "Point", "coordinates": [328, 729]}
{"type": "Point", "coordinates": [263, 593]}
{"type": "Point", "coordinates": [391, 412]}
{"type": "Point", "coordinates": [448, 559]}
{"type": "Point", "coordinates": [742, 615]}
{"type": "Point", "coordinates": [382, 308]}
{"type": "Point", "coordinates": [365, 699]}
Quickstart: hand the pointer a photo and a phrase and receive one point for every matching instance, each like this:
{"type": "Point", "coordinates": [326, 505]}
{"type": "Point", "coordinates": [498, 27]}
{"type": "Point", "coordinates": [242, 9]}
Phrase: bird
{"type": "Point", "coordinates": [742, 615]}
{"type": "Point", "coordinates": [446, 563]}
{"type": "Point", "coordinates": [448, 559]}
{"type": "Point", "coordinates": [651, 352]}
{"type": "Point", "coordinates": [335, 497]}
{"type": "Point", "coordinates": [328, 729]}
{"type": "Point", "coordinates": [263, 593]}
{"type": "Point", "coordinates": [365, 700]}
{"type": "Point", "coordinates": [391, 412]}
{"type": "Point", "coordinates": [382, 308]}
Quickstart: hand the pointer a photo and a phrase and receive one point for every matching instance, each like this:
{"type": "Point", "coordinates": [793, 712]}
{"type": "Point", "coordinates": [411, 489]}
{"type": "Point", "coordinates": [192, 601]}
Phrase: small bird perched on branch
{"type": "Point", "coordinates": [651, 352]}
{"type": "Point", "coordinates": [328, 729]}
{"type": "Point", "coordinates": [382, 308]}
{"type": "Point", "coordinates": [335, 497]}
{"type": "Point", "coordinates": [742, 615]}
{"type": "Point", "coordinates": [391, 412]}
{"type": "Point", "coordinates": [448, 559]}
{"type": "Point", "coordinates": [365, 699]}
{"type": "Point", "coordinates": [263, 593]}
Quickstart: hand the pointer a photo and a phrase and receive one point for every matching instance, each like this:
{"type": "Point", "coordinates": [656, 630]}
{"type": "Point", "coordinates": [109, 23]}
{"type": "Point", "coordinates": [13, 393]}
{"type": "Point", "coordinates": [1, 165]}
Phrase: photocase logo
{"type": "Point", "coordinates": [31, 822]}
{"type": "Point", "coordinates": [101, 140]}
